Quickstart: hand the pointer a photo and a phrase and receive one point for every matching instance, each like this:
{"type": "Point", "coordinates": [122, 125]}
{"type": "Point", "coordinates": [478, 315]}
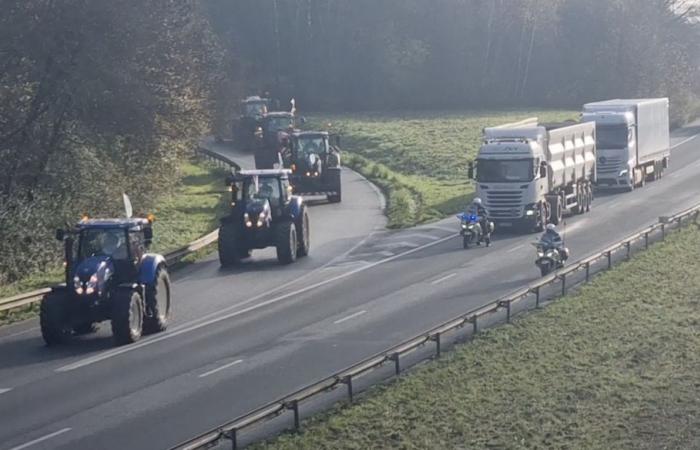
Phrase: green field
{"type": "Point", "coordinates": [614, 366]}
{"type": "Point", "coordinates": [420, 159]}
{"type": "Point", "coordinates": [189, 213]}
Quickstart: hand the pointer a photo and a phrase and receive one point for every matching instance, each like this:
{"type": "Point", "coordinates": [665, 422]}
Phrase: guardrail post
{"type": "Point", "coordinates": [438, 345]}
{"type": "Point", "coordinates": [609, 255]}
{"type": "Point", "coordinates": [646, 241]}
{"type": "Point", "coordinates": [397, 363]}
{"type": "Point", "coordinates": [663, 231]}
{"type": "Point", "coordinates": [348, 382]}
{"type": "Point", "coordinates": [628, 244]}
{"type": "Point", "coordinates": [563, 284]}
{"type": "Point", "coordinates": [475, 327]}
{"type": "Point", "coordinates": [680, 222]}
{"type": "Point", "coordinates": [588, 271]}
{"type": "Point", "coordinates": [506, 304]}
{"type": "Point", "coordinates": [697, 215]}
{"type": "Point", "coordinates": [537, 297]}
{"type": "Point", "coordinates": [295, 408]}
{"type": "Point", "coordinates": [233, 435]}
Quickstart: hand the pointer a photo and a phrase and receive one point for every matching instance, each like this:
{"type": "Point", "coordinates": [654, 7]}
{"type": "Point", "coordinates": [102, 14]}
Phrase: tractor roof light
{"type": "Point", "coordinates": [151, 218]}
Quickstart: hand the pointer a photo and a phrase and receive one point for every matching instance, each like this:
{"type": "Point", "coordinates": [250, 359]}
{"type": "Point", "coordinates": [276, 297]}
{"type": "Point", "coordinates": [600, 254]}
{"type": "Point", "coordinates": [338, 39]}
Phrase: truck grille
{"type": "Point", "coordinates": [609, 167]}
{"type": "Point", "coordinates": [504, 204]}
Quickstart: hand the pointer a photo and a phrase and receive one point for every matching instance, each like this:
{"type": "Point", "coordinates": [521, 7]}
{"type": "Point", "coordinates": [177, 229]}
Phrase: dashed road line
{"type": "Point", "coordinates": [41, 439]}
{"type": "Point", "coordinates": [445, 278]}
{"type": "Point", "coordinates": [5, 390]}
{"type": "Point", "coordinates": [219, 369]}
{"type": "Point", "coordinates": [684, 141]}
{"type": "Point", "coordinates": [350, 317]}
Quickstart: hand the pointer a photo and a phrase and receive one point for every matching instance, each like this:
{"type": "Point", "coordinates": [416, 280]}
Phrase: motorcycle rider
{"type": "Point", "coordinates": [477, 207]}
{"type": "Point", "coordinates": [552, 239]}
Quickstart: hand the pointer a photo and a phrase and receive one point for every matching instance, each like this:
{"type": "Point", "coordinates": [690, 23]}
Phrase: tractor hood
{"type": "Point", "coordinates": [90, 275]}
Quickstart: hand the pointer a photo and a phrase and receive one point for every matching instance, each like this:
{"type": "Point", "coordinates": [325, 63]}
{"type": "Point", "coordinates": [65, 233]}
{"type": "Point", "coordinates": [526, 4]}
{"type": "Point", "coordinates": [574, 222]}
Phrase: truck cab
{"type": "Point", "coordinates": [615, 141]}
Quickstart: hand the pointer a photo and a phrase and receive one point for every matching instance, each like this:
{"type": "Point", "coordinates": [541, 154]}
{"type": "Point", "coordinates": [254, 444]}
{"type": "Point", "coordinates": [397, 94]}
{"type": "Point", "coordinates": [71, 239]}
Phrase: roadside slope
{"type": "Point", "coordinates": [613, 366]}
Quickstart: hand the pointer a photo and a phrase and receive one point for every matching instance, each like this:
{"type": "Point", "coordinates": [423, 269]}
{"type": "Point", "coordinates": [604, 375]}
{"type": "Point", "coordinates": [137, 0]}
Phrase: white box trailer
{"type": "Point", "coordinates": [529, 174]}
{"type": "Point", "coordinates": [633, 140]}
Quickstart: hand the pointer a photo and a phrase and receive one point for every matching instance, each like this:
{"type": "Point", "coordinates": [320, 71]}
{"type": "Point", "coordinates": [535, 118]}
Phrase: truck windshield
{"type": "Point", "coordinates": [504, 171]}
{"type": "Point", "coordinates": [612, 137]}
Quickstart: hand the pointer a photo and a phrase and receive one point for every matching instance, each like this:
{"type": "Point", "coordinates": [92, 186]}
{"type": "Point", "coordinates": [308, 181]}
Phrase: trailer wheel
{"type": "Point", "coordinates": [589, 198]}
{"type": "Point", "coordinates": [556, 208]}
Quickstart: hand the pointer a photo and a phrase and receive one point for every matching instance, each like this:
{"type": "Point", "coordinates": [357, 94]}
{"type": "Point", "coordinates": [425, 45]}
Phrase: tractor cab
{"type": "Point", "coordinates": [255, 107]}
{"type": "Point", "coordinates": [110, 249]}
{"type": "Point", "coordinates": [315, 163]}
{"type": "Point", "coordinates": [260, 194]}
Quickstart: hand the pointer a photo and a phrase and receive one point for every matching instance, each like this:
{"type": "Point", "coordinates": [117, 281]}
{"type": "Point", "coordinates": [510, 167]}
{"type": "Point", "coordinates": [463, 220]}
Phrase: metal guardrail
{"type": "Point", "coordinates": [172, 257]}
{"type": "Point", "coordinates": [291, 402]}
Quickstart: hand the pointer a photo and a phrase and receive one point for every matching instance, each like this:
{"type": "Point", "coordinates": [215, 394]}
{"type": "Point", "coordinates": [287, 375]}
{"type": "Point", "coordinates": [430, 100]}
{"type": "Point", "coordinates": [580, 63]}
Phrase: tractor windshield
{"type": "Point", "coordinates": [255, 109]}
{"type": "Point", "coordinates": [279, 123]}
{"type": "Point", "coordinates": [267, 188]}
{"type": "Point", "coordinates": [103, 242]}
{"type": "Point", "coordinates": [307, 146]}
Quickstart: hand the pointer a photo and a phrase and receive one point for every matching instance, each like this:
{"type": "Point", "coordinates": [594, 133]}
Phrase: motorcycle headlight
{"type": "Point", "coordinates": [464, 226]}
{"type": "Point", "coordinates": [529, 212]}
{"type": "Point", "coordinates": [540, 254]}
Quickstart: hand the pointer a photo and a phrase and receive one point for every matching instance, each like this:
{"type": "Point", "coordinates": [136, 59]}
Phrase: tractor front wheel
{"type": "Point", "coordinates": [229, 253]}
{"type": "Point", "coordinates": [303, 233]}
{"type": "Point", "coordinates": [158, 303]}
{"type": "Point", "coordinates": [286, 241]}
{"type": "Point", "coordinates": [52, 319]}
{"type": "Point", "coordinates": [127, 316]}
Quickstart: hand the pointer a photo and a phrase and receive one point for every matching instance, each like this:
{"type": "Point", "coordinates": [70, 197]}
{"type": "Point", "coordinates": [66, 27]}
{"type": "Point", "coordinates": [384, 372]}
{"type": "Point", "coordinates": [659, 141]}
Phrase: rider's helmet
{"type": "Point", "coordinates": [477, 201]}
{"type": "Point", "coordinates": [551, 227]}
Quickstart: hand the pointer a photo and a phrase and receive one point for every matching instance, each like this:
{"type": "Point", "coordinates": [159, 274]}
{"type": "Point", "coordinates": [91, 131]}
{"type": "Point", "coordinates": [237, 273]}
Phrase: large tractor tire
{"type": "Point", "coordinates": [157, 303]}
{"type": "Point", "coordinates": [286, 241]}
{"type": "Point", "coordinates": [53, 319]}
{"type": "Point", "coordinates": [303, 233]}
{"type": "Point", "coordinates": [127, 316]}
{"type": "Point", "coordinates": [228, 245]}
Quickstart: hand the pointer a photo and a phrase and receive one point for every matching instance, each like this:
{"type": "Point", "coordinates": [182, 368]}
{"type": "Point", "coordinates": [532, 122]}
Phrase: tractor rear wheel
{"type": "Point", "coordinates": [286, 241]}
{"type": "Point", "coordinates": [53, 320]}
{"type": "Point", "coordinates": [229, 253]}
{"type": "Point", "coordinates": [303, 232]}
{"type": "Point", "coordinates": [157, 303]}
{"type": "Point", "coordinates": [127, 316]}
{"type": "Point", "coordinates": [337, 195]}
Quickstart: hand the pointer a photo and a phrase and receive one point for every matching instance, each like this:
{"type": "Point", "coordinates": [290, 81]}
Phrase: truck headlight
{"type": "Point", "coordinates": [623, 173]}
{"type": "Point", "coordinates": [529, 212]}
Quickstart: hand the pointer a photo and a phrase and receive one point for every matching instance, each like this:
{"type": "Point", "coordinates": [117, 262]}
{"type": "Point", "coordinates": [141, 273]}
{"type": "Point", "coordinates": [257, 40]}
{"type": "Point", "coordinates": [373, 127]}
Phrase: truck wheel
{"type": "Point", "coordinates": [85, 328]}
{"type": "Point", "coordinates": [127, 316]}
{"type": "Point", "coordinates": [229, 253]}
{"type": "Point", "coordinates": [556, 214]}
{"type": "Point", "coordinates": [157, 303]}
{"type": "Point", "coordinates": [303, 233]}
{"type": "Point", "coordinates": [286, 241]}
{"type": "Point", "coordinates": [589, 198]}
{"type": "Point", "coordinates": [53, 320]}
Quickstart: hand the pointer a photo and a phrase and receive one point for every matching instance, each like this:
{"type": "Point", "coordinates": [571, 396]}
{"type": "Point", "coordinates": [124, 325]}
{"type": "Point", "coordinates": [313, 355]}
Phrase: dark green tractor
{"type": "Point", "coordinates": [315, 164]}
{"type": "Point", "coordinates": [264, 213]}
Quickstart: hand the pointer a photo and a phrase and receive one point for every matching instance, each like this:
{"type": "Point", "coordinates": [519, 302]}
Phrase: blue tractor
{"type": "Point", "coordinates": [264, 213]}
{"type": "Point", "coordinates": [109, 276]}
{"type": "Point", "coordinates": [315, 164]}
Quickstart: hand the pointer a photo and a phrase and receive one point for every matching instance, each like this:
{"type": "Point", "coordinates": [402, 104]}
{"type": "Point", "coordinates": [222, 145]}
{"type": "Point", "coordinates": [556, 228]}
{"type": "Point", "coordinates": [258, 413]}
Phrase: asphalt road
{"type": "Point", "coordinates": [245, 337]}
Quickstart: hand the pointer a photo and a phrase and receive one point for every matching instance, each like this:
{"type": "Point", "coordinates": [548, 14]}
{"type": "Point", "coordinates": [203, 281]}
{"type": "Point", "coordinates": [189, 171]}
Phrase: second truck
{"type": "Point", "coordinates": [530, 174]}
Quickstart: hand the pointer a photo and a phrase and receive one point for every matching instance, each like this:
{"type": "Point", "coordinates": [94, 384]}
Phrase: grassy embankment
{"type": "Point", "coordinates": [189, 213]}
{"type": "Point", "coordinates": [614, 366]}
{"type": "Point", "coordinates": [420, 159]}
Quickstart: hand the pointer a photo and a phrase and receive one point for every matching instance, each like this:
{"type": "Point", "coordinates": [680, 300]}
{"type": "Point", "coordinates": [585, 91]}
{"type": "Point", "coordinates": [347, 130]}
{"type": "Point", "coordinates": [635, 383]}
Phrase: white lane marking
{"type": "Point", "coordinates": [219, 369]}
{"type": "Point", "coordinates": [445, 278]}
{"type": "Point", "coordinates": [684, 141]}
{"type": "Point", "coordinates": [416, 235]}
{"type": "Point", "coordinates": [350, 317]}
{"type": "Point", "coordinates": [221, 315]}
{"type": "Point", "coordinates": [19, 333]}
{"type": "Point", "coordinates": [41, 439]}
{"type": "Point", "coordinates": [516, 248]}
{"type": "Point", "coordinates": [439, 227]}
{"type": "Point", "coordinates": [2, 391]}
{"type": "Point", "coordinates": [676, 175]}
{"type": "Point", "coordinates": [397, 245]}
{"type": "Point", "coordinates": [613, 205]}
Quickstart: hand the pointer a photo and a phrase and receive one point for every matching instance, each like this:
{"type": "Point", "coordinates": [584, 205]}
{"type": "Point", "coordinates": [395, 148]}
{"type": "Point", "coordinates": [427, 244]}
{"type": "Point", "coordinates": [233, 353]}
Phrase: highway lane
{"type": "Point", "coordinates": [271, 345]}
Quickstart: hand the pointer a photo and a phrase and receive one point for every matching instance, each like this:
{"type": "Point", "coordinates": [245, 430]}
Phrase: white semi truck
{"type": "Point", "coordinates": [632, 138]}
{"type": "Point", "coordinates": [529, 174]}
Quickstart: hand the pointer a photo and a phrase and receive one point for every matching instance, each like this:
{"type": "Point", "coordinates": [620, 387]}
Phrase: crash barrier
{"type": "Point", "coordinates": [345, 378]}
{"type": "Point", "coordinates": [20, 300]}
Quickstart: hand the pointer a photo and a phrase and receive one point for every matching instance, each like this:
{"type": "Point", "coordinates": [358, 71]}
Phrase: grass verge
{"type": "Point", "coordinates": [191, 211]}
{"type": "Point", "coordinates": [613, 366]}
{"type": "Point", "coordinates": [420, 159]}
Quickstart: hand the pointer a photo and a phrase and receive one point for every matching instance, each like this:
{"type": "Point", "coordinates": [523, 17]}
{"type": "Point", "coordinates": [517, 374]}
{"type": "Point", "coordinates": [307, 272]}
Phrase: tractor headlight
{"type": "Point", "coordinates": [77, 286]}
{"type": "Point", "coordinates": [246, 219]}
{"type": "Point", "coordinates": [261, 218]}
{"type": "Point", "coordinates": [91, 285]}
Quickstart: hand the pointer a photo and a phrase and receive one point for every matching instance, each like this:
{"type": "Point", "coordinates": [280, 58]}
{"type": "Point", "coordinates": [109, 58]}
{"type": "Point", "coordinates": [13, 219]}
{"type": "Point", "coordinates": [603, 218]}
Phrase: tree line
{"type": "Point", "coordinates": [98, 97]}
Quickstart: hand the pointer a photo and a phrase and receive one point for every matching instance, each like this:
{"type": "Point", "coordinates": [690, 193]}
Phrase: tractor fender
{"type": "Point", "coordinates": [149, 268]}
{"type": "Point", "coordinates": [295, 206]}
